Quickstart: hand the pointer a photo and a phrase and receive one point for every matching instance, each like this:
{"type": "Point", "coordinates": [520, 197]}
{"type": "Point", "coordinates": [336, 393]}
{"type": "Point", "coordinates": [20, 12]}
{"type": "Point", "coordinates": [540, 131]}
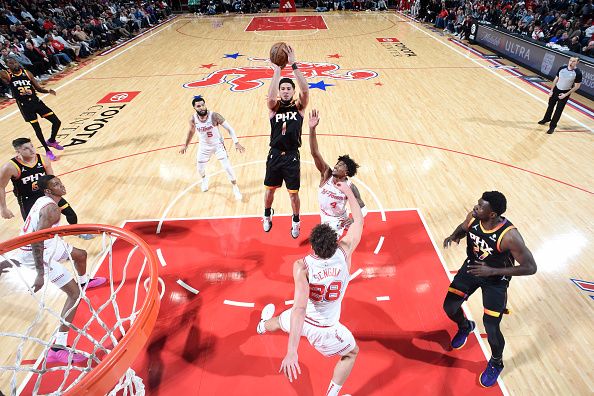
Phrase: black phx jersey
{"type": "Point", "coordinates": [22, 88]}
{"type": "Point", "coordinates": [25, 185]}
{"type": "Point", "coordinates": [285, 127]}
{"type": "Point", "coordinates": [483, 246]}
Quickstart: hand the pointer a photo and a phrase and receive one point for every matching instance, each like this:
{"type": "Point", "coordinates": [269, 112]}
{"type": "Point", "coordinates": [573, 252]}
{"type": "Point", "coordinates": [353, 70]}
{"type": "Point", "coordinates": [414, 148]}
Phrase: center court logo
{"type": "Point", "coordinates": [244, 79]}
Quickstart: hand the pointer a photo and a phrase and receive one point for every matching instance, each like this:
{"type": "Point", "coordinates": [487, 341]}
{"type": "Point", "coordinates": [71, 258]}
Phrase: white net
{"type": "Point", "coordinates": [103, 316]}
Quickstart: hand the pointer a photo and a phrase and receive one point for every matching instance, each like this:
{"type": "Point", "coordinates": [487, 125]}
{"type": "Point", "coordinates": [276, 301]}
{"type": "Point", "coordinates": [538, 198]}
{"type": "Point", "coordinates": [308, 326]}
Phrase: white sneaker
{"type": "Point", "coordinates": [266, 314]}
{"type": "Point", "coordinates": [267, 221]}
{"type": "Point", "coordinates": [204, 185]}
{"type": "Point", "coordinates": [86, 237]}
{"type": "Point", "coordinates": [236, 193]}
{"type": "Point", "coordinates": [295, 227]}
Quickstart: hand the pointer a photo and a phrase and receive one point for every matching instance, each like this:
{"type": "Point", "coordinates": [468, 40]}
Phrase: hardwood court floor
{"type": "Point", "coordinates": [431, 131]}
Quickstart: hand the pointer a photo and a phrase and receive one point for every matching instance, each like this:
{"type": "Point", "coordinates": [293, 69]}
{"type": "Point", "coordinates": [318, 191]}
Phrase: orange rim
{"type": "Point", "coordinates": [108, 372]}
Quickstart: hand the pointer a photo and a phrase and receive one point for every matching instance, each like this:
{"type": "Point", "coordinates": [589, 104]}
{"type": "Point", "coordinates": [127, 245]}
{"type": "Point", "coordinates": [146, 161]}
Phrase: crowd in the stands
{"type": "Point", "coordinates": [46, 37]}
{"type": "Point", "coordinates": [563, 24]}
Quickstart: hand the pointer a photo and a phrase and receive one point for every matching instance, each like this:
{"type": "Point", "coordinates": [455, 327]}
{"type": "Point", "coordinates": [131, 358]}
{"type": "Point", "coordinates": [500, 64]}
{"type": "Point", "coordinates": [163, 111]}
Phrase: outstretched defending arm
{"type": "Point", "coordinates": [220, 120]}
{"type": "Point", "coordinates": [290, 364]}
{"type": "Point", "coordinates": [353, 237]}
{"type": "Point", "coordinates": [323, 167]}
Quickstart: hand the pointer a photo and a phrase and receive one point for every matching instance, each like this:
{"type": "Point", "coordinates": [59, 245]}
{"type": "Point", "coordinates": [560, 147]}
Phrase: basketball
{"type": "Point", "coordinates": [278, 54]}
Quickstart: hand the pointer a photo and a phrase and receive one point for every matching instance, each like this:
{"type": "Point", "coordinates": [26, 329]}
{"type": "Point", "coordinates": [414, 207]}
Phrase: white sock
{"type": "Point", "coordinates": [333, 389]}
{"type": "Point", "coordinates": [83, 279]}
{"type": "Point", "coordinates": [61, 338]}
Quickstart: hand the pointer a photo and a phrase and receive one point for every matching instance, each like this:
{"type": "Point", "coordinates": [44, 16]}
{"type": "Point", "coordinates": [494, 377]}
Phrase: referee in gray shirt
{"type": "Point", "coordinates": [567, 81]}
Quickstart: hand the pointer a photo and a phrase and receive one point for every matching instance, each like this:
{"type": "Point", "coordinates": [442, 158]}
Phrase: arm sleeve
{"type": "Point", "coordinates": [231, 132]}
{"type": "Point", "coordinates": [578, 76]}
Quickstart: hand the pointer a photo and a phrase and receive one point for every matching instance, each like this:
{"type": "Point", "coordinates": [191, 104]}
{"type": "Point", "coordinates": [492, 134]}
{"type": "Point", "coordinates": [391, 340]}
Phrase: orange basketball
{"type": "Point", "coordinates": [278, 54]}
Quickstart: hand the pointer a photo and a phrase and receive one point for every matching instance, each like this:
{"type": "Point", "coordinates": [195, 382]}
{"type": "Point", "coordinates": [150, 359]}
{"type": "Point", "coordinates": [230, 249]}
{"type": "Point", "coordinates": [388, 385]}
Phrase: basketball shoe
{"type": "Point", "coordinates": [58, 355]}
{"type": "Point", "coordinates": [266, 314]}
{"type": "Point", "coordinates": [50, 155]}
{"type": "Point", "coordinates": [94, 282]}
{"type": "Point", "coordinates": [461, 336]}
{"type": "Point", "coordinates": [54, 144]}
{"type": "Point", "coordinates": [267, 221]}
{"type": "Point", "coordinates": [491, 373]}
{"type": "Point", "coordinates": [295, 229]}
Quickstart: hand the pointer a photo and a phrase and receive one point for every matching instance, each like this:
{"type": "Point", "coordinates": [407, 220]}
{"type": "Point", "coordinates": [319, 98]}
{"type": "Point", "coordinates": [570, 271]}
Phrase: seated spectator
{"type": "Point", "coordinates": [41, 64]}
{"type": "Point", "coordinates": [441, 17]}
{"type": "Point", "coordinates": [59, 47]}
{"type": "Point", "coordinates": [589, 49]}
{"type": "Point", "coordinates": [537, 33]}
{"type": "Point", "coordinates": [57, 58]}
{"type": "Point", "coordinates": [21, 58]}
{"type": "Point", "coordinates": [574, 45]}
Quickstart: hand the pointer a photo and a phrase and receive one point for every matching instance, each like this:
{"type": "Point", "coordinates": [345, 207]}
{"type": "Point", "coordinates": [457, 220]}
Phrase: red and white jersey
{"type": "Point", "coordinates": [208, 133]}
{"type": "Point", "coordinates": [328, 280]}
{"type": "Point", "coordinates": [332, 200]}
{"type": "Point", "coordinates": [32, 220]}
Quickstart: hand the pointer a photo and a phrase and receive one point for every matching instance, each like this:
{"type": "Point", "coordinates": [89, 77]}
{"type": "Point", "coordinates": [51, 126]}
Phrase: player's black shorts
{"type": "Point", "coordinates": [494, 290]}
{"type": "Point", "coordinates": [30, 109]}
{"type": "Point", "coordinates": [283, 166]}
{"type": "Point", "coordinates": [26, 203]}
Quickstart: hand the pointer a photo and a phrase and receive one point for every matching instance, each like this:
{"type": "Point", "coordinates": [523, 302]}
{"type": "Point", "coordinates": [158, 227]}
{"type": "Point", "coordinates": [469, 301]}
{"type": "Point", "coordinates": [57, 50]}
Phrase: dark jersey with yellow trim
{"type": "Point", "coordinates": [25, 184]}
{"type": "Point", "coordinates": [285, 127]}
{"type": "Point", "coordinates": [22, 87]}
{"type": "Point", "coordinates": [484, 245]}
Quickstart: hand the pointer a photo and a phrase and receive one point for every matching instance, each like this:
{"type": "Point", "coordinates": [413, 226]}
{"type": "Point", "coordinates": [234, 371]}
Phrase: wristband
{"type": "Point", "coordinates": [294, 66]}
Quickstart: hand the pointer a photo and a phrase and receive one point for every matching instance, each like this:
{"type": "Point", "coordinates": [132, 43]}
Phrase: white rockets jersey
{"type": "Point", "coordinates": [208, 133]}
{"type": "Point", "coordinates": [32, 220]}
{"type": "Point", "coordinates": [328, 280]}
{"type": "Point", "coordinates": [332, 200]}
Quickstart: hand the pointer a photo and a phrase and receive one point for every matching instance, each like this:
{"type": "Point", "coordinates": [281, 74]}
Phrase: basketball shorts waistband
{"type": "Point", "coordinates": [282, 152]}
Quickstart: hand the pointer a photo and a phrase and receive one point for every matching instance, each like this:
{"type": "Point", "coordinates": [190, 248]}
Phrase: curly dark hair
{"type": "Point", "coordinates": [350, 163]}
{"type": "Point", "coordinates": [324, 241]}
{"type": "Point", "coordinates": [496, 200]}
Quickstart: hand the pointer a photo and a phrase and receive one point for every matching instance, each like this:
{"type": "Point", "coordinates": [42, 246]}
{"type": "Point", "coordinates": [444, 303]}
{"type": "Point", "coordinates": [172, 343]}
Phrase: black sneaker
{"type": "Point", "coordinates": [542, 122]}
{"type": "Point", "coordinates": [551, 130]}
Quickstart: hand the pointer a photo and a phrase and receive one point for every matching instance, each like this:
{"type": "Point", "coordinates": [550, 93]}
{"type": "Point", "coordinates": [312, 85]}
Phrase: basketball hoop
{"type": "Point", "coordinates": [109, 333]}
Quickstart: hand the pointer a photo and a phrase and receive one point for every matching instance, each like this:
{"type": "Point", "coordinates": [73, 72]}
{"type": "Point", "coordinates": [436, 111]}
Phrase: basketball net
{"type": "Point", "coordinates": [105, 316]}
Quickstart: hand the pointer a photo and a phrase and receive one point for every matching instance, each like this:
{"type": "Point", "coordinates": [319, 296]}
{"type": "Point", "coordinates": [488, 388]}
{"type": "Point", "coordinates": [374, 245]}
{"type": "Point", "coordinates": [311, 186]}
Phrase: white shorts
{"type": "Point", "coordinates": [205, 151]}
{"type": "Point", "coordinates": [54, 252]}
{"type": "Point", "coordinates": [329, 341]}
